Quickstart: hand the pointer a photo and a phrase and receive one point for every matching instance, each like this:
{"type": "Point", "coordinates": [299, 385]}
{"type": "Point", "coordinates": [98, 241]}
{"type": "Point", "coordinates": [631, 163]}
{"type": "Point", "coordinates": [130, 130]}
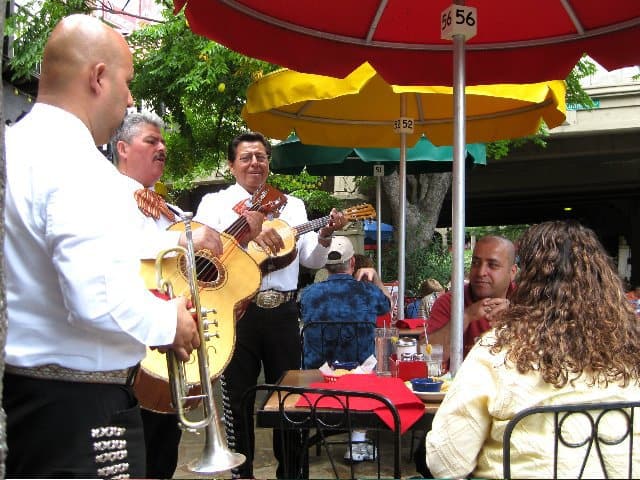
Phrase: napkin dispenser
{"type": "Point", "coordinates": [408, 369]}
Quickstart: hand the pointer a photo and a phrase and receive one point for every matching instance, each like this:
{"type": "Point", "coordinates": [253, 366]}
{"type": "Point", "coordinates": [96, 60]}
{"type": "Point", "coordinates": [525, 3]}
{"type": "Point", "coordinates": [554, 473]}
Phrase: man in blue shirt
{"type": "Point", "coordinates": [343, 297]}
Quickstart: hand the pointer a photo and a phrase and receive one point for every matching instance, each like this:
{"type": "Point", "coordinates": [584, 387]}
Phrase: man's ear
{"type": "Point", "coordinates": [121, 147]}
{"type": "Point", "coordinates": [97, 77]}
{"type": "Point", "coordinates": [514, 271]}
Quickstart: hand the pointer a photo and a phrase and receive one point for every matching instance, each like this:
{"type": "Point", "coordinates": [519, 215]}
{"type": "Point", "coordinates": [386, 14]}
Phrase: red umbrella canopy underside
{"type": "Point", "coordinates": [517, 41]}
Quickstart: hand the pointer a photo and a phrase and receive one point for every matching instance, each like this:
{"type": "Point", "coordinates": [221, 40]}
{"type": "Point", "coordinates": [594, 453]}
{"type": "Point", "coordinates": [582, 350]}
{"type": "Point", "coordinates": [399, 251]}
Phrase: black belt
{"type": "Point", "coordinates": [273, 298]}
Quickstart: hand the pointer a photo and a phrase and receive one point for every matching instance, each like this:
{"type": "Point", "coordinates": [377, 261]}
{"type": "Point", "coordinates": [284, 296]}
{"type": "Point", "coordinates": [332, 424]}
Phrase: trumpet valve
{"type": "Point", "coordinates": [209, 335]}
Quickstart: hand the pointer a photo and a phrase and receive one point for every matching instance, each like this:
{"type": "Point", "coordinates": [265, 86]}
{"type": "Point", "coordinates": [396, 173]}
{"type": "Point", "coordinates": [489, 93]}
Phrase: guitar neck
{"type": "Point", "coordinates": [238, 229]}
{"type": "Point", "coordinates": [316, 224]}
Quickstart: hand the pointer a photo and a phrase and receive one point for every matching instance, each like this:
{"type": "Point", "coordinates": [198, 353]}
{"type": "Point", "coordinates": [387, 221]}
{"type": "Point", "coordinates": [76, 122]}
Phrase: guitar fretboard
{"type": "Point", "coordinates": [312, 225]}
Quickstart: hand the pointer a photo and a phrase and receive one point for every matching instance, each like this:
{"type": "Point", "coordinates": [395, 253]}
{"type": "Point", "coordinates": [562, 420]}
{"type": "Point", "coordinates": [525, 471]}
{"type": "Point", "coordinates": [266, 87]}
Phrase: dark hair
{"type": "Point", "coordinates": [362, 261]}
{"type": "Point", "coordinates": [247, 137]}
{"type": "Point", "coordinates": [569, 316]}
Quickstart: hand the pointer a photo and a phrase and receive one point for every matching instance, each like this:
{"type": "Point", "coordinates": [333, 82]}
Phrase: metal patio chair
{"type": "Point", "coordinates": [337, 339]}
{"type": "Point", "coordinates": [592, 445]}
{"type": "Point", "coordinates": [323, 421]}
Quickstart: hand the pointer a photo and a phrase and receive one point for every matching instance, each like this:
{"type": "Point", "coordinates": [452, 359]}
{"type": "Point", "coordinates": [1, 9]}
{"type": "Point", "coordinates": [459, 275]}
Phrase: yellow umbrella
{"type": "Point", "coordinates": [360, 109]}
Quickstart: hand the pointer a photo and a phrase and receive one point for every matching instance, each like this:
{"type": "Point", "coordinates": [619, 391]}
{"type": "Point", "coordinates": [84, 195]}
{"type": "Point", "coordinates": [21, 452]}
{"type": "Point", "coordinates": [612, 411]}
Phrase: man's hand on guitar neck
{"type": "Point", "coordinates": [203, 238]}
{"type": "Point", "coordinates": [337, 221]}
{"type": "Point", "coordinates": [187, 337]}
{"type": "Point", "coordinates": [254, 220]}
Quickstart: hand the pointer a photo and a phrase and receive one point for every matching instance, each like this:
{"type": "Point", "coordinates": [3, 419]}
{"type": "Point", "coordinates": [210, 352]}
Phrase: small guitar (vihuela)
{"type": "Point", "coordinates": [269, 262]}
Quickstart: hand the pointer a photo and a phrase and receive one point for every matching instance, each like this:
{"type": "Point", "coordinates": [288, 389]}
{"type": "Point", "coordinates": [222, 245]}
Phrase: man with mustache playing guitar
{"type": "Point", "coordinates": [267, 336]}
{"type": "Point", "coordinates": [139, 152]}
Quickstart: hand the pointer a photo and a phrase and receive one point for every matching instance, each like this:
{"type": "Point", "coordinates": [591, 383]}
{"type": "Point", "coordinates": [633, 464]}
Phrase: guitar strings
{"type": "Point", "coordinates": [207, 271]}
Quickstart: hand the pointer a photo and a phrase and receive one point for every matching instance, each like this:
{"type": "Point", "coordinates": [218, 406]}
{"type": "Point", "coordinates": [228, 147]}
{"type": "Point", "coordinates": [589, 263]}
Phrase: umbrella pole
{"type": "Point", "coordinates": [379, 227]}
{"type": "Point", "coordinates": [458, 202]}
{"type": "Point", "coordinates": [403, 210]}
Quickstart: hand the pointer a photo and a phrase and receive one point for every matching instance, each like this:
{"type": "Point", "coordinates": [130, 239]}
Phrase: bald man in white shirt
{"type": "Point", "coordinates": [79, 314]}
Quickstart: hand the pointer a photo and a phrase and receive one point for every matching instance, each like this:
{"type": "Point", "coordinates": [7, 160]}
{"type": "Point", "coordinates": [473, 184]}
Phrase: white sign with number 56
{"type": "Point", "coordinates": [458, 20]}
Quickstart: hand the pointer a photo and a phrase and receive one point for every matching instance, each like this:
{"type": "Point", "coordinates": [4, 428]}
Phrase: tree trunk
{"type": "Point", "coordinates": [3, 287]}
{"type": "Point", "coordinates": [425, 194]}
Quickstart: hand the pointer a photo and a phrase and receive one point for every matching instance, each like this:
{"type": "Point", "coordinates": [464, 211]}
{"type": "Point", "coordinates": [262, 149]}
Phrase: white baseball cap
{"type": "Point", "coordinates": [340, 250]}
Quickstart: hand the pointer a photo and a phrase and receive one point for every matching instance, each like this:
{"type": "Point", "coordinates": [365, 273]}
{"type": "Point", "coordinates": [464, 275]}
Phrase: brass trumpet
{"type": "Point", "coordinates": [216, 456]}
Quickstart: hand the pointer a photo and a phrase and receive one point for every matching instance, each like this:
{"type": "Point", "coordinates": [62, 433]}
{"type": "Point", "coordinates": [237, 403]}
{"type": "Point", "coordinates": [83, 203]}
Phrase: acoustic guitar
{"type": "Point", "coordinates": [225, 283]}
{"type": "Point", "coordinates": [269, 262]}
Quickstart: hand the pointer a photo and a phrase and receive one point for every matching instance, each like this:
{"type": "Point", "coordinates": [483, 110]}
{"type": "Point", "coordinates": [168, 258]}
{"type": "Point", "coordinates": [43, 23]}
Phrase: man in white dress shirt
{"type": "Point", "coordinates": [79, 314]}
{"type": "Point", "coordinates": [140, 152]}
{"type": "Point", "coordinates": [267, 336]}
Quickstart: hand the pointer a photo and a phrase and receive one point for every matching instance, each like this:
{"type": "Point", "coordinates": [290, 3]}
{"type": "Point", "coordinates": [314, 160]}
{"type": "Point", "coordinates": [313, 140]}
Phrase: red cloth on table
{"type": "Point", "coordinates": [410, 407]}
{"type": "Point", "coordinates": [384, 320]}
{"type": "Point", "coordinates": [411, 323]}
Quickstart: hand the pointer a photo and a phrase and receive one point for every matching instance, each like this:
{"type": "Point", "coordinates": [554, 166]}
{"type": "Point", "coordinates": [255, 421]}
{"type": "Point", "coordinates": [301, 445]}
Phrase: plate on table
{"type": "Point", "coordinates": [427, 396]}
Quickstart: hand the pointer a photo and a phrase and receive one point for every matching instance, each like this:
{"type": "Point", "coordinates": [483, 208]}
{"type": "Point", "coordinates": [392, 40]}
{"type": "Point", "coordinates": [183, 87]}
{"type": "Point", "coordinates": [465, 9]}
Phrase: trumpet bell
{"type": "Point", "coordinates": [221, 461]}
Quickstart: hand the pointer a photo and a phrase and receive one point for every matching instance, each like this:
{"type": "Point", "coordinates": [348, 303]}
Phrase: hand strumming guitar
{"type": "Point", "coordinates": [269, 240]}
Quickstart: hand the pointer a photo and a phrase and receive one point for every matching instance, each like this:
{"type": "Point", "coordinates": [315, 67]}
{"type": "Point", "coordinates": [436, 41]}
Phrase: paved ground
{"type": "Point", "coordinates": [319, 466]}
{"type": "Point", "coordinates": [192, 444]}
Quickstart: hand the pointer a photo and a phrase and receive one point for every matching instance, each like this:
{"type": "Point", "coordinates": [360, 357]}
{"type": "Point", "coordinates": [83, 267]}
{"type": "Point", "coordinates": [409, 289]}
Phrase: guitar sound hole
{"type": "Point", "coordinates": [209, 271]}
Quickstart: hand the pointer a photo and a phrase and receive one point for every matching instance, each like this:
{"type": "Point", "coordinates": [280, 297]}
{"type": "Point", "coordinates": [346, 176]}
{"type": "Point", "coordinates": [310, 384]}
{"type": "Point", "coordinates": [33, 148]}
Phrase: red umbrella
{"type": "Point", "coordinates": [516, 42]}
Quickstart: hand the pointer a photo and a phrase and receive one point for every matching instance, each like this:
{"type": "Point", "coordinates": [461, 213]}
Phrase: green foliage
{"type": "Point", "coordinates": [290, 183]}
{"type": "Point", "coordinates": [575, 92]}
{"type": "Point", "coordinates": [420, 264]}
{"type": "Point", "coordinates": [199, 86]}
{"type": "Point", "coordinates": [512, 232]}
{"type": "Point", "coordinates": [499, 149]}
{"type": "Point", "coordinates": [307, 188]}
{"type": "Point", "coordinates": [318, 202]}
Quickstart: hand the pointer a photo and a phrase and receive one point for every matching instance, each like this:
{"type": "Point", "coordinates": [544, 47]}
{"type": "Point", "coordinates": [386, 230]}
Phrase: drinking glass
{"type": "Point", "coordinates": [385, 340]}
{"type": "Point", "coordinates": [434, 361]}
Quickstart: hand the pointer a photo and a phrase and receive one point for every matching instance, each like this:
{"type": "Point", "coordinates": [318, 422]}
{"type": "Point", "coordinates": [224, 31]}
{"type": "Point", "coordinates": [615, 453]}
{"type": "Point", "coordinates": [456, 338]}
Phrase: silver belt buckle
{"type": "Point", "coordinates": [269, 299]}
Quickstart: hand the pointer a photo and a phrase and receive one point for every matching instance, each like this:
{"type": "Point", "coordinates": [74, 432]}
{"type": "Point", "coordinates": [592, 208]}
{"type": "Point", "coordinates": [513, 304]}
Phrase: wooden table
{"type": "Point", "coordinates": [267, 413]}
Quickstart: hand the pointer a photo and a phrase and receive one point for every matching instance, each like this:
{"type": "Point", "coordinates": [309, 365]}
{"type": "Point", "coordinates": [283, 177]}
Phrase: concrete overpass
{"type": "Point", "coordinates": [591, 166]}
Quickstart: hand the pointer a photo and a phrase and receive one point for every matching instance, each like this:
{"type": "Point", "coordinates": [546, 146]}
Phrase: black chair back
{"type": "Point", "coordinates": [323, 420]}
{"type": "Point", "coordinates": [351, 341]}
{"type": "Point", "coordinates": [591, 443]}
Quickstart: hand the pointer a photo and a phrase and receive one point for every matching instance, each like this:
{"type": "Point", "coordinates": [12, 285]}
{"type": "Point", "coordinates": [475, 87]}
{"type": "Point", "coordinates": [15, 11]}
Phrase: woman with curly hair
{"type": "Point", "coordinates": [569, 336]}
